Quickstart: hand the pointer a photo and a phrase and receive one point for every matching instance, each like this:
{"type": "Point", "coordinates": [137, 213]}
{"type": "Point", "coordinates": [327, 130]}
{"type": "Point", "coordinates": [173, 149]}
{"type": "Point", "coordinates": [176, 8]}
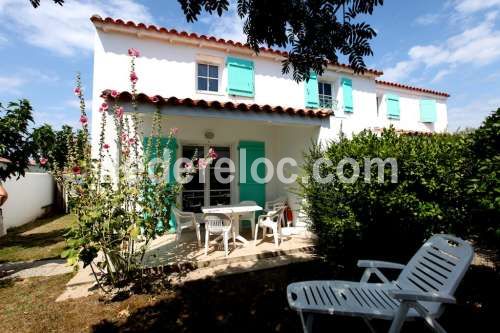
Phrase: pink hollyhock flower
{"type": "Point", "coordinates": [76, 170]}
{"type": "Point", "coordinates": [154, 99]}
{"type": "Point", "coordinates": [123, 137]}
{"type": "Point", "coordinates": [133, 77]}
{"type": "Point", "coordinates": [104, 107]}
{"type": "Point", "coordinates": [114, 93]}
{"type": "Point", "coordinates": [212, 154]}
{"type": "Point", "coordinates": [83, 120]}
{"type": "Point", "coordinates": [78, 91]}
{"type": "Point", "coordinates": [174, 131]}
{"type": "Point", "coordinates": [119, 112]}
{"type": "Point", "coordinates": [105, 146]}
{"type": "Point", "coordinates": [43, 160]}
{"type": "Point", "coordinates": [133, 52]}
{"type": "Point", "coordinates": [131, 141]}
{"type": "Point", "coordinates": [202, 163]}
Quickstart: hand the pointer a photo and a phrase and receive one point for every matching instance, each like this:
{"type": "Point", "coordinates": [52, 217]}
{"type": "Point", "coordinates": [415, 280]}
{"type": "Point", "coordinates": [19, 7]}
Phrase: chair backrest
{"type": "Point", "coordinates": [217, 223]}
{"type": "Point", "coordinates": [178, 217]}
{"type": "Point", "coordinates": [276, 204]}
{"type": "Point", "coordinates": [438, 266]}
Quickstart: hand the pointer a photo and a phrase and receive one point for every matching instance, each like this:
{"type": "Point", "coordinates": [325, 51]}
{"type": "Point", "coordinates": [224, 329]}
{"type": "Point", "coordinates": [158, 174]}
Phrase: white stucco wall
{"type": "Point", "coordinates": [27, 197]}
{"type": "Point", "coordinates": [410, 111]}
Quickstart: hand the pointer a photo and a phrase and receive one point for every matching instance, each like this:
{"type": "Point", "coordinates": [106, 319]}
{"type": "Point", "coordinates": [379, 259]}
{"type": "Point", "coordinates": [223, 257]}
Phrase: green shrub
{"type": "Point", "coordinates": [372, 218]}
{"type": "Point", "coordinates": [484, 185]}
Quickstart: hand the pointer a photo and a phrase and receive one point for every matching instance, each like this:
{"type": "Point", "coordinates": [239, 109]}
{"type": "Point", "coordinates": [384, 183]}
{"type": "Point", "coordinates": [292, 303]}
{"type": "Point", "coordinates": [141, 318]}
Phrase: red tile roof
{"type": "Point", "coordinates": [422, 90]}
{"type": "Point", "coordinates": [201, 103]}
{"type": "Point", "coordinates": [184, 34]}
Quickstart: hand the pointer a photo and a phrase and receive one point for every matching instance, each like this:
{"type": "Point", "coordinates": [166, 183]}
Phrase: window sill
{"type": "Point", "coordinates": [213, 93]}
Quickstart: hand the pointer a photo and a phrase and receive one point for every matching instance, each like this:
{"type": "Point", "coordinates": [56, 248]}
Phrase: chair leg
{"type": "Point", "coordinates": [399, 318]}
{"type": "Point", "coordinates": [276, 240]}
{"type": "Point", "coordinates": [252, 225]}
{"type": "Point", "coordinates": [206, 242]}
{"type": "Point", "coordinates": [370, 326]}
{"type": "Point", "coordinates": [307, 322]}
{"type": "Point", "coordinates": [226, 241]}
{"type": "Point", "coordinates": [434, 325]}
{"type": "Point", "coordinates": [255, 234]}
{"type": "Point", "coordinates": [234, 239]}
{"type": "Point", "coordinates": [198, 235]}
{"type": "Point", "coordinates": [178, 236]}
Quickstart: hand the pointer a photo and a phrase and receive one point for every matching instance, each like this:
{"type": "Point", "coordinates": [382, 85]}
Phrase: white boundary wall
{"type": "Point", "coordinates": [27, 197]}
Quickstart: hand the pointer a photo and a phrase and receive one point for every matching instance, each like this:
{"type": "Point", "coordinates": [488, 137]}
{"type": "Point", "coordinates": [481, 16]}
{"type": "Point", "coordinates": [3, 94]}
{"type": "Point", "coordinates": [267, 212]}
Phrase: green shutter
{"type": "Point", "coordinates": [240, 77]}
{"type": "Point", "coordinates": [393, 110]}
{"type": "Point", "coordinates": [167, 147]}
{"type": "Point", "coordinates": [347, 94]}
{"type": "Point", "coordinates": [428, 111]}
{"type": "Point", "coordinates": [311, 91]}
{"type": "Point", "coordinates": [250, 189]}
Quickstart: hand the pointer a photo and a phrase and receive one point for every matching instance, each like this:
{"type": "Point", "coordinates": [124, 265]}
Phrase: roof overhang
{"type": "Point", "coordinates": [161, 101]}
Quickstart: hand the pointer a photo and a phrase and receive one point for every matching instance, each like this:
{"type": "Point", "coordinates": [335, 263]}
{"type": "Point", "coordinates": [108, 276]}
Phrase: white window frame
{"type": "Point", "coordinates": [332, 90]}
{"type": "Point", "coordinates": [219, 79]}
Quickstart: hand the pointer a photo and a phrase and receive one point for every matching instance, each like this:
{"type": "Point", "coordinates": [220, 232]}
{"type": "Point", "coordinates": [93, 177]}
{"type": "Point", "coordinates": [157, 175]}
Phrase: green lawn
{"type": "Point", "coordinates": [41, 239]}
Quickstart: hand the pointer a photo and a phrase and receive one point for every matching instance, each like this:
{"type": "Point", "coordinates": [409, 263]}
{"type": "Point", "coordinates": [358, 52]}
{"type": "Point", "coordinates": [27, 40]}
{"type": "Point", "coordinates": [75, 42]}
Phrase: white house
{"type": "Point", "coordinates": [220, 94]}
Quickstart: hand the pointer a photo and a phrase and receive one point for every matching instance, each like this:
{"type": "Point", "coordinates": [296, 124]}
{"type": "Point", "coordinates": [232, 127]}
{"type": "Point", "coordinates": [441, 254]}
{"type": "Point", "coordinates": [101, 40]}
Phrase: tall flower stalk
{"type": "Point", "coordinates": [123, 198]}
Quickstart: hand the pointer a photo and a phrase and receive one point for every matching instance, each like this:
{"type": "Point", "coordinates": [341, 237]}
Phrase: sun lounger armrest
{"type": "Point", "coordinates": [412, 295]}
{"type": "Point", "coordinates": [379, 264]}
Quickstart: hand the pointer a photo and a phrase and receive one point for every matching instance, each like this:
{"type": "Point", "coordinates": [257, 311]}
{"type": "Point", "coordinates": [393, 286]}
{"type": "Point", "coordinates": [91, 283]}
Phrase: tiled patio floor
{"type": "Point", "coordinates": [165, 250]}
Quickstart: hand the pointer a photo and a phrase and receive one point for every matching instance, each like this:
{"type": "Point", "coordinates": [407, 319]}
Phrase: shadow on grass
{"type": "Point", "coordinates": [256, 302]}
{"type": "Point", "coordinates": [34, 236]}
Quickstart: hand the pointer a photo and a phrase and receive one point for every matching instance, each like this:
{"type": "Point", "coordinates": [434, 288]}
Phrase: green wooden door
{"type": "Point", "coordinates": [250, 188]}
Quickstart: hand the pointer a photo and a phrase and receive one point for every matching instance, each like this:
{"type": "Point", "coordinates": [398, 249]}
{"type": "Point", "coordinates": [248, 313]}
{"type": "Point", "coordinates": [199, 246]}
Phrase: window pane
{"type": "Point", "coordinates": [325, 101]}
{"type": "Point", "coordinates": [202, 70]}
{"type": "Point", "coordinates": [213, 85]}
{"type": "Point", "coordinates": [327, 89]}
{"type": "Point", "coordinates": [202, 83]}
{"type": "Point", "coordinates": [220, 193]}
{"type": "Point", "coordinates": [193, 192]}
{"type": "Point", "coordinates": [213, 71]}
{"type": "Point", "coordinates": [320, 87]}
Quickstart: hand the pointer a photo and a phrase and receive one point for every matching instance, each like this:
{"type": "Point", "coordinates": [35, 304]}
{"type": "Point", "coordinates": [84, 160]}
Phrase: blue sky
{"type": "Point", "coordinates": [448, 45]}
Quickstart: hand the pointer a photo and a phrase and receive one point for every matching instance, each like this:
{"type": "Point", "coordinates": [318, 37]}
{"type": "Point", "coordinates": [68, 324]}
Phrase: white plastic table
{"type": "Point", "coordinates": [234, 211]}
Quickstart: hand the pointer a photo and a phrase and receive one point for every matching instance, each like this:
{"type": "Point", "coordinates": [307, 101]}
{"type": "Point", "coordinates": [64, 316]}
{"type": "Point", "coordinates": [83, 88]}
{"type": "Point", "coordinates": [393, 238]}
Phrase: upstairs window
{"type": "Point", "coordinates": [208, 77]}
{"type": "Point", "coordinates": [325, 95]}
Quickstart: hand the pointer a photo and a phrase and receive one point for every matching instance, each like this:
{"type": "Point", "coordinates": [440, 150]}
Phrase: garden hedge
{"type": "Point", "coordinates": [446, 183]}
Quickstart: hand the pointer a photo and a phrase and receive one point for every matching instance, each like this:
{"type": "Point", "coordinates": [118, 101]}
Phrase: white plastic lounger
{"type": "Point", "coordinates": [427, 282]}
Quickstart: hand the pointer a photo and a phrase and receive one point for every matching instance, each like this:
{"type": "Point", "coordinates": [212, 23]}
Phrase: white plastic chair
{"type": "Point", "coordinates": [249, 216]}
{"type": "Point", "coordinates": [220, 225]}
{"type": "Point", "coordinates": [428, 281]}
{"type": "Point", "coordinates": [274, 205]}
{"type": "Point", "coordinates": [272, 220]}
{"type": "Point", "coordinates": [186, 220]}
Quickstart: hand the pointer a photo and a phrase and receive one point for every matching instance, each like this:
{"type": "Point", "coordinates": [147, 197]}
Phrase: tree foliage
{"type": "Point", "coordinates": [36, 3]}
{"type": "Point", "coordinates": [315, 31]}
{"type": "Point", "coordinates": [15, 138]}
{"type": "Point", "coordinates": [51, 147]}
